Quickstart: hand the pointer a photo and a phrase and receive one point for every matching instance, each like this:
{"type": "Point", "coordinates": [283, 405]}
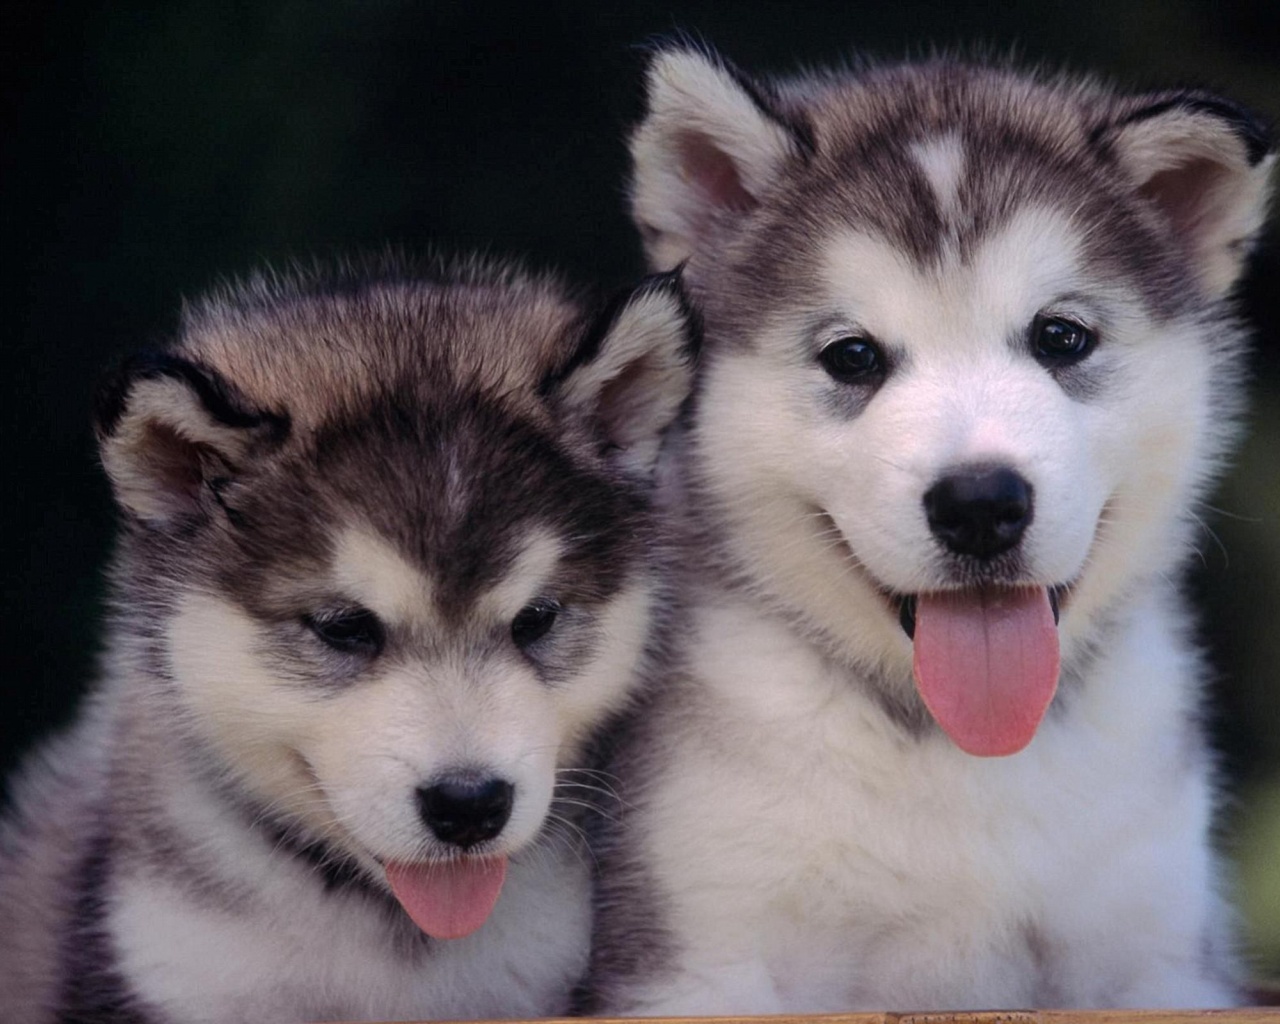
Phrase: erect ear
{"type": "Point", "coordinates": [710, 144]}
{"type": "Point", "coordinates": [172, 433]}
{"type": "Point", "coordinates": [1205, 164]}
{"type": "Point", "coordinates": [632, 371]}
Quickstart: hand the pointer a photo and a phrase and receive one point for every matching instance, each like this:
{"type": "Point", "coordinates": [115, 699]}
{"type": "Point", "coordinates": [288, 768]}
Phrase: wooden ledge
{"type": "Point", "coordinates": [1253, 1015]}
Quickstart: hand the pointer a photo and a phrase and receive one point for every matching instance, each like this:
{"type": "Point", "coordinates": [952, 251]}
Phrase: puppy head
{"type": "Point", "coordinates": [393, 548]}
{"type": "Point", "coordinates": [967, 350]}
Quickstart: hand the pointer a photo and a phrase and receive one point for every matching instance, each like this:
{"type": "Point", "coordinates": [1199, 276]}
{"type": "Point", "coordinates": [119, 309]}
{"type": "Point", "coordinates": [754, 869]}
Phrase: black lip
{"type": "Point", "coordinates": [907, 609]}
{"type": "Point", "coordinates": [907, 615]}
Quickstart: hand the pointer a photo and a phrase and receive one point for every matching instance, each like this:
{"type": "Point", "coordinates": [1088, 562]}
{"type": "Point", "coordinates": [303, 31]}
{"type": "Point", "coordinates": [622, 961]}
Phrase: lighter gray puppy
{"type": "Point", "coordinates": [931, 736]}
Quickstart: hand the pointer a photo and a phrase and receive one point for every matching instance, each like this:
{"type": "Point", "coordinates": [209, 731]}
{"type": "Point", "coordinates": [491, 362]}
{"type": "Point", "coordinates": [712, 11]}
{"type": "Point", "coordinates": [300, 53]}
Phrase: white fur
{"type": "Point", "coordinates": [377, 577]}
{"type": "Point", "coordinates": [839, 868]}
{"type": "Point", "coordinates": [306, 955]}
{"type": "Point", "coordinates": [942, 161]}
{"type": "Point", "coordinates": [816, 858]}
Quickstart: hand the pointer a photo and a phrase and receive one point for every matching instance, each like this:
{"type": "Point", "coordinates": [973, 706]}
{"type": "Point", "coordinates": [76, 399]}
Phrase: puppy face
{"type": "Point", "coordinates": [880, 380]}
{"type": "Point", "coordinates": [968, 363]}
{"type": "Point", "coordinates": [437, 628]}
{"type": "Point", "coordinates": [391, 548]}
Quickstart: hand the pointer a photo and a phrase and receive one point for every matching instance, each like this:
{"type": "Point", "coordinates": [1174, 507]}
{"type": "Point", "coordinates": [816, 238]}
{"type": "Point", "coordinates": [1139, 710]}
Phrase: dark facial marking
{"type": "Point", "coordinates": [454, 487]}
{"type": "Point", "coordinates": [215, 395]}
{"type": "Point", "coordinates": [1243, 122]}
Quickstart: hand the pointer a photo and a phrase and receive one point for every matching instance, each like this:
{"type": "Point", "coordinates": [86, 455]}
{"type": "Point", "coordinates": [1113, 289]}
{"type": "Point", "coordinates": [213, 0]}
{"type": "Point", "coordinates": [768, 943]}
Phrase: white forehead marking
{"type": "Point", "coordinates": [942, 161]}
{"type": "Point", "coordinates": [371, 571]}
{"type": "Point", "coordinates": [534, 564]}
{"type": "Point", "coordinates": [1031, 261]}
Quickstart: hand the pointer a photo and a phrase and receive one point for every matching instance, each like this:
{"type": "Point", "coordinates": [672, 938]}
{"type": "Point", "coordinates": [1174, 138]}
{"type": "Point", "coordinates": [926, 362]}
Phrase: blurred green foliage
{"type": "Point", "coordinates": [150, 147]}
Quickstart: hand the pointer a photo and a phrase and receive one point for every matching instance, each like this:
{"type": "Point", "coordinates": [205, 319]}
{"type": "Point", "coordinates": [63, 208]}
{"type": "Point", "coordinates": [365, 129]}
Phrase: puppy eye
{"type": "Point", "coordinates": [1057, 341]}
{"type": "Point", "coordinates": [853, 360]}
{"type": "Point", "coordinates": [350, 630]}
{"type": "Point", "coordinates": [533, 622]}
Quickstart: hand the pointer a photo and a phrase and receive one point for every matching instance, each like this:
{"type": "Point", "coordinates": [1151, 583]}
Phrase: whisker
{"type": "Point", "coordinates": [595, 808]}
{"type": "Point", "coordinates": [1238, 517]}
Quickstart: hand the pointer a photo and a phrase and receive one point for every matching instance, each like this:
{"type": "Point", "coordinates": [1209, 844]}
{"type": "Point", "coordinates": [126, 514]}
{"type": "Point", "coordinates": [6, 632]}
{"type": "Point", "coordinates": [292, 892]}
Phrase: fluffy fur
{"type": "Point", "coordinates": [802, 836]}
{"type": "Point", "coordinates": [380, 533]}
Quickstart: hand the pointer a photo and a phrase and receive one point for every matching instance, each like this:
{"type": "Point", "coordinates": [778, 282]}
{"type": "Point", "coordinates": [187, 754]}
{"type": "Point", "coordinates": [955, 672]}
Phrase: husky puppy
{"type": "Point", "coordinates": [932, 738]}
{"type": "Point", "coordinates": [386, 566]}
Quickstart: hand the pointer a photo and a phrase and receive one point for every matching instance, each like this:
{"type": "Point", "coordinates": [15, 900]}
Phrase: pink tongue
{"type": "Point", "coordinates": [448, 900]}
{"type": "Point", "coordinates": [986, 665]}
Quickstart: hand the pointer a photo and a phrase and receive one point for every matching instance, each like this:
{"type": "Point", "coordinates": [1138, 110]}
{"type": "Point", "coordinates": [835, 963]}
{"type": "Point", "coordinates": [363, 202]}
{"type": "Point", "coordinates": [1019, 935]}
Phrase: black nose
{"type": "Point", "coordinates": [979, 511]}
{"type": "Point", "coordinates": [466, 811]}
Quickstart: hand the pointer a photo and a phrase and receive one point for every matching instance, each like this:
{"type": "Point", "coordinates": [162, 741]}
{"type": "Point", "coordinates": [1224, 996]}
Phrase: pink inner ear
{"type": "Point", "coordinates": [174, 467]}
{"type": "Point", "coordinates": [623, 401]}
{"type": "Point", "coordinates": [713, 172]}
{"type": "Point", "coordinates": [1188, 195]}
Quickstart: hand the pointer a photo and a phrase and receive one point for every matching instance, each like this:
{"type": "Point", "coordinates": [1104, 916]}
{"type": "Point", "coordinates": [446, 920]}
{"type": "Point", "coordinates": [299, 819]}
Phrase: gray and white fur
{"type": "Point", "coordinates": [968, 336]}
{"type": "Point", "coordinates": [386, 566]}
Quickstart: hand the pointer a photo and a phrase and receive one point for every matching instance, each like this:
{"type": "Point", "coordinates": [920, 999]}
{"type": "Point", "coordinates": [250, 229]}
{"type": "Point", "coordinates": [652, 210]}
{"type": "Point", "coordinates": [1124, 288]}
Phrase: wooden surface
{"type": "Point", "coordinates": [1249, 1016]}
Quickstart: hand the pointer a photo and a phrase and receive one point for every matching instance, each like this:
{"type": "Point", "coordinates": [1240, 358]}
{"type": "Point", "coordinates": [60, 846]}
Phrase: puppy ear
{"type": "Point", "coordinates": [632, 371]}
{"type": "Point", "coordinates": [1205, 164]}
{"type": "Point", "coordinates": [710, 144]}
{"type": "Point", "coordinates": [172, 433]}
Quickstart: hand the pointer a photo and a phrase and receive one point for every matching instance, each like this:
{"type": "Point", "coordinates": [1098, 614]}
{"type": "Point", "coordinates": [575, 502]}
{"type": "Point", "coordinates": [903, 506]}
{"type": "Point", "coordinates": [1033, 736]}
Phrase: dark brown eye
{"type": "Point", "coordinates": [853, 360]}
{"type": "Point", "coordinates": [349, 630]}
{"type": "Point", "coordinates": [533, 622]}
{"type": "Point", "coordinates": [1057, 341]}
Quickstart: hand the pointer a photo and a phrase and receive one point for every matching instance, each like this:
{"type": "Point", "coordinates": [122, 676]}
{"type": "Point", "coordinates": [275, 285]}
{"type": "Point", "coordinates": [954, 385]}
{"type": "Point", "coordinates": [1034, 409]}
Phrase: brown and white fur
{"type": "Point", "coordinates": [917, 279]}
{"type": "Point", "coordinates": [380, 534]}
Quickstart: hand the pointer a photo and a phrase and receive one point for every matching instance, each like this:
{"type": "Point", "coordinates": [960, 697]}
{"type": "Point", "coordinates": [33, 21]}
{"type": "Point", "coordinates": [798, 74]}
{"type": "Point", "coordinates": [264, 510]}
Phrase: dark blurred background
{"type": "Point", "coordinates": [147, 149]}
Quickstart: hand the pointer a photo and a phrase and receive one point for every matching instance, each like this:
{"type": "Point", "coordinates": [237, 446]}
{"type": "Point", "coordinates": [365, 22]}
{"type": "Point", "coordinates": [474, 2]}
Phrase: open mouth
{"type": "Point", "coordinates": [448, 899]}
{"type": "Point", "coordinates": [907, 607]}
{"type": "Point", "coordinates": [985, 657]}
{"type": "Point", "coordinates": [986, 661]}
